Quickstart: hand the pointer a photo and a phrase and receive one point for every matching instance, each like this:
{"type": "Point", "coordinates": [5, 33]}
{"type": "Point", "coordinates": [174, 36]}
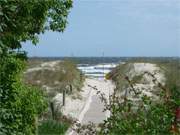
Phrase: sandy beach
{"type": "Point", "coordinates": [89, 108]}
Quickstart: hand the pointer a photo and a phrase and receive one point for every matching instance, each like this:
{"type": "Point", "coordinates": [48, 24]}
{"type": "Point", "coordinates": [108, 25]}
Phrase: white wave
{"type": "Point", "coordinates": [97, 70]}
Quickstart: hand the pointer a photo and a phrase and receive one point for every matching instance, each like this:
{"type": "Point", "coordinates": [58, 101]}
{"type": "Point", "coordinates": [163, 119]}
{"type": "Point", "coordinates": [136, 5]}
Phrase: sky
{"type": "Point", "coordinates": [115, 28]}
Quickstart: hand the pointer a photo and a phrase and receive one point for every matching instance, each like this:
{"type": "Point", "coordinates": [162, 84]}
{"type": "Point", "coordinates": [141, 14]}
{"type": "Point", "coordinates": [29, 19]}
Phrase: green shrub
{"type": "Point", "coordinates": [149, 117]}
{"type": "Point", "coordinates": [20, 104]}
{"type": "Point", "coordinates": [145, 117]}
{"type": "Point", "coordinates": [51, 127]}
{"type": "Point", "coordinates": [21, 21]}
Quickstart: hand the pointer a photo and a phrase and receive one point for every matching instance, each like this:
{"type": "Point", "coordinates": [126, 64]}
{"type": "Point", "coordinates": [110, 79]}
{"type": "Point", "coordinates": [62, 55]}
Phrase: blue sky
{"type": "Point", "coordinates": [117, 28]}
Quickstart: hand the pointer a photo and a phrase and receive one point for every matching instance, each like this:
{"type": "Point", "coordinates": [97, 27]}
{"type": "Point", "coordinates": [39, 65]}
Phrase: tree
{"type": "Point", "coordinates": [22, 20]}
{"type": "Point", "coordinates": [70, 73]}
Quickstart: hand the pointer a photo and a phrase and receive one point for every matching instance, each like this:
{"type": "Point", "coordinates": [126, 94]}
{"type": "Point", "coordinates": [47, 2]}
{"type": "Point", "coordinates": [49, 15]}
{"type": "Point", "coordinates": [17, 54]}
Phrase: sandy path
{"type": "Point", "coordinates": [94, 113]}
{"type": "Point", "coordinates": [93, 108]}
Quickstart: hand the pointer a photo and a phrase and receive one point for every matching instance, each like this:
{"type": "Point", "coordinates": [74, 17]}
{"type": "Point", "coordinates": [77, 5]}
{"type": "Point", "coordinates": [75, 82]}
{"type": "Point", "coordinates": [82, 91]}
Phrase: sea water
{"type": "Point", "coordinates": [98, 70]}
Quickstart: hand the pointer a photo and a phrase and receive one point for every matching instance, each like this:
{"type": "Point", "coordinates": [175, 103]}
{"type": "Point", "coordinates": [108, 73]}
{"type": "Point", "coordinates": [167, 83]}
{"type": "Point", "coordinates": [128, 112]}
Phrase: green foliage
{"type": "Point", "coordinates": [20, 104]}
{"type": "Point", "coordinates": [69, 70]}
{"type": "Point", "coordinates": [137, 79]}
{"type": "Point", "coordinates": [51, 127]}
{"type": "Point", "coordinates": [147, 117]}
{"type": "Point", "coordinates": [117, 75]}
{"type": "Point", "coordinates": [70, 75]}
{"type": "Point", "coordinates": [172, 73]}
{"type": "Point", "coordinates": [22, 20]}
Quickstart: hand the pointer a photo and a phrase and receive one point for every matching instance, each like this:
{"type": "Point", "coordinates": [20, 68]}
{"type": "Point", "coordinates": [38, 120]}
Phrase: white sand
{"type": "Point", "coordinates": [147, 86]}
{"type": "Point", "coordinates": [88, 93]}
{"type": "Point", "coordinates": [148, 67]}
{"type": "Point", "coordinates": [76, 108]}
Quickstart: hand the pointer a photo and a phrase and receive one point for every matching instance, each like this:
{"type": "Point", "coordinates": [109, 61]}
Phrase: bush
{"type": "Point", "coordinates": [147, 117]}
{"type": "Point", "coordinates": [20, 104]}
{"type": "Point", "coordinates": [51, 127]}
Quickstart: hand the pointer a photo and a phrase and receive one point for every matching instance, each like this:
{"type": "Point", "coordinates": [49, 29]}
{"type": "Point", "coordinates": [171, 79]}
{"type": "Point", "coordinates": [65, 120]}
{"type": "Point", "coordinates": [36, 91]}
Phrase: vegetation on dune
{"type": "Point", "coordinates": [151, 117]}
{"type": "Point", "coordinates": [116, 76]}
{"type": "Point", "coordinates": [63, 75]}
{"type": "Point", "coordinates": [22, 20]}
{"type": "Point", "coordinates": [172, 74]}
{"type": "Point", "coordinates": [148, 116]}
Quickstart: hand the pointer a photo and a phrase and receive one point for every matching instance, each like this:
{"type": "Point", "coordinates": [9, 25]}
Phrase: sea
{"type": "Point", "coordinates": [98, 70]}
